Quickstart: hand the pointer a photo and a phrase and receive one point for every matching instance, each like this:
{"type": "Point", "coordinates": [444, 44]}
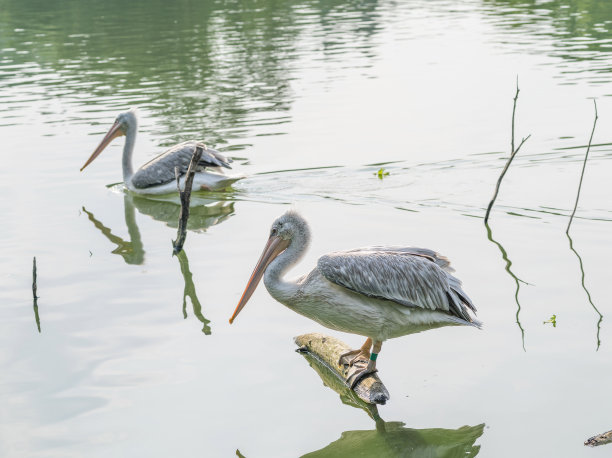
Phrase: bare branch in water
{"type": "Point", "coordinates": [34, 287]}
{"type": "Point", "coordinates": [513, 153]}
{"type": "Point", "coordinates": [586, 156]}
{"type": "Point", "coordinates": [185, 196]}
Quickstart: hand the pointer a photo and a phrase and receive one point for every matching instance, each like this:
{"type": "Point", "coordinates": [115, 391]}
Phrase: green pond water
{"type": "Point", "coordinates": [133, 354]}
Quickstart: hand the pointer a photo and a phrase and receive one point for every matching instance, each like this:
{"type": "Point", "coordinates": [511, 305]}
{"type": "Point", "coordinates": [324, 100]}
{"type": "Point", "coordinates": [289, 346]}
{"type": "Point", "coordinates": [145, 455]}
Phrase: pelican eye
{"type": "Point", "coordinates": [273, 231]}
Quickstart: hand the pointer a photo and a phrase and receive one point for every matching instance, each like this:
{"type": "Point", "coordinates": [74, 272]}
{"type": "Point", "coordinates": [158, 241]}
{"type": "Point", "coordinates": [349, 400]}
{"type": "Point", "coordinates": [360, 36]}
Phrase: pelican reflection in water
{"type": "Point", "coordinates": [201, 217]}
{"type": "Point", "coordinates": [158, 175]}
{"type": "Point", "coordinates": [391, 439]}
{"type": "Point", "coordinates": [379, 292]}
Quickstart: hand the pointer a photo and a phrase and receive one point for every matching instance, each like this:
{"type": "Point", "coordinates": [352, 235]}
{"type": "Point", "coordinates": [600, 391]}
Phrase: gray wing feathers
{"type": "Point", "coordinates": [441, 261]}
{"type": "Point", "coordinates": [160, 170]}
{"type": "Point", "coordinates": [407, 277]}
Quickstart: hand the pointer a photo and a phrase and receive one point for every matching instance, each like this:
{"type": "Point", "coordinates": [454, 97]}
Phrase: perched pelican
{"type": "Point", "coordinates": [379, 292]}
{"type": "Point", "coordinates": [157, 176]}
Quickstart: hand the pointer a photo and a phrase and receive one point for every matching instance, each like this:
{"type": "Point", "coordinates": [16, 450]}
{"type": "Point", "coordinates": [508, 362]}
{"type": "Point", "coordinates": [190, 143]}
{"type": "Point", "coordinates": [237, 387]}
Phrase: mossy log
{"type": "Point", "coordinates": [328, 351]}
{"type": "Point", "coordinates": [600, 439]}
{"type": "Point", "coordinates": [332, 379]}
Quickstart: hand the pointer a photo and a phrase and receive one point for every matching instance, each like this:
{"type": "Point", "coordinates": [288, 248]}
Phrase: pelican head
{"type": "Point", "coordinates": [123, 122]}
{"type": "Point", "coordinates": [285, 229]}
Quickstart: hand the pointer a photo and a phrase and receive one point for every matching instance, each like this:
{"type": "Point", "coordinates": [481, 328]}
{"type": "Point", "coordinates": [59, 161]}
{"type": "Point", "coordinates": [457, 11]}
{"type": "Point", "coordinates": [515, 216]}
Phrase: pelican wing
{"type": "Point", "coordinates": [413, 277]}
{"type": "Point", "coordinates": [441, 261]}
{"type": "Point", "coordinates": [161, 169]}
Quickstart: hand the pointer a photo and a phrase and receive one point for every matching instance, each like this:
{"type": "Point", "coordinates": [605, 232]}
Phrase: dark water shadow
{"type": "Point", "coordinates": [392, 439]}
{"type": "Point", "coordinates": [571, 245]}
{"type": "Point", "coordinates": [517, 281]}
{"type": "Point", "coordinates": [189, 291]}
{"type": "Point", "coordinates": [223, 69]}
{"type": "Point", "coordinates": [570, 32]}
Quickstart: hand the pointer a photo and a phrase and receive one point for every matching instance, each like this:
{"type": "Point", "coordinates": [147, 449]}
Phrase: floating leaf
{"type": "Point", "coordinates": [552, 320]}
{"type": "Point", "coordinates": [381, 173]}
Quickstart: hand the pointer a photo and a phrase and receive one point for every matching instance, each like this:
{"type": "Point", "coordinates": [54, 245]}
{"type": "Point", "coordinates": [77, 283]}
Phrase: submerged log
{"type": "Point", "coordinates": [328, 350]}
{"type": "Point", "coordinates": [600, 439]}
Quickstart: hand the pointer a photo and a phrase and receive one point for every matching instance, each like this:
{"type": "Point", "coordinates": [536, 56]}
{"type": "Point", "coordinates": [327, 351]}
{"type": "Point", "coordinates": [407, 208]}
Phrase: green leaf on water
{"type": "Point", "coordinates": [381, 173]}
{"type": "Point", "coordinates": [552, 320]}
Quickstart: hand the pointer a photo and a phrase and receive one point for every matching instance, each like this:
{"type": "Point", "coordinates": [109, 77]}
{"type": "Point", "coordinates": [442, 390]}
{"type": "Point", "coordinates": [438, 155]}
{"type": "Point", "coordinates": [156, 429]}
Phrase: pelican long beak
{"type": "Point", "coordinates": [274, 247]}
{"type": "Point", "coordinates": [113, 133]}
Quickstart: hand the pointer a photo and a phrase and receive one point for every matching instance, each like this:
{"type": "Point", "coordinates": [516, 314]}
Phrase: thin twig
{"type": "Point", "coordinates": [513, 153]}
{"type": "Point", "coordinates": [185, 196]}
{"type": "Point", "coordinates": [34, 278]}
{"type": "Point", "coordinates": [586, 156]}
{"type": "Point", "coordinates": [34, 286]}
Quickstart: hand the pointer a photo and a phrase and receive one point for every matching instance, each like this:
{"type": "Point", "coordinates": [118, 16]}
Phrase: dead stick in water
{"type": "Point", "coordinates": [600, 439]}
{"type": "Point", "coordinates": [512, 154]}
{"type": "Point", "coordinates": [328, 350]}
{"type": "Point", "coordinates": [185, 196]}
{"type": "Point", "coordinates": [34, 287]}
{"type": "Point", "coordinates": [586, 156]}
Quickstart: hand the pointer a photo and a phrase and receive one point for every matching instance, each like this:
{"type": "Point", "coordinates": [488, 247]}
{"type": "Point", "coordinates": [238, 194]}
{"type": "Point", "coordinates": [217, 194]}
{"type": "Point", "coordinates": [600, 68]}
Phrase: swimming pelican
{"type": "Point", "coordinates": [379, 292]}
{"type": "Point", "coordinates": [157, 176]}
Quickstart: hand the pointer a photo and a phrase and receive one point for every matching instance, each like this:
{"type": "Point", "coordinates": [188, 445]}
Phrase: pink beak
{"type": "Point", "coordinates": [114, 132]}
{"type": "Point", "coordinates": [273, 248]}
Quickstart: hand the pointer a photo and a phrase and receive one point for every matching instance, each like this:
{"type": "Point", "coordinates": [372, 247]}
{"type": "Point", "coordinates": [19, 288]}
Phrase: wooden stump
{"type": "Point", "coordinates": [328, 350]}
{"type": "Point", "coordinates": [600, 439]}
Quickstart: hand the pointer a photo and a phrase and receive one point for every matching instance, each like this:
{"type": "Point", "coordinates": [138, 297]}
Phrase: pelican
{"type": "Point", "coordinates": [378, 292]}
{"type": "Point", "coordinates": [157, 176]}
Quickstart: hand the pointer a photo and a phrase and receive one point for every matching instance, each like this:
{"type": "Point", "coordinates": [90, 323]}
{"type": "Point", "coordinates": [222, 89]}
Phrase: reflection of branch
{"type": "Point", "coordinates": [517, 281]}
{"type": "Point", "coordinates": [191, 292]}
{"type": "Point", "coordinates": [34, 287]}
{"type": "Point", "coordinates": [571, 244]}
{"type": "Point", "coordinates": [132, 251]}
{"type": "Point", "coordinates": [512, 154]}
{"type": "Point", "coordinates": [586, 156]}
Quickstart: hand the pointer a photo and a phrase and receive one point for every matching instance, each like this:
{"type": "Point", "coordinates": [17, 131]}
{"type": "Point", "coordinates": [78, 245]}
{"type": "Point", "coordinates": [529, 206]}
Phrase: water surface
{"type": "Point", "coordinates": [135, 356]}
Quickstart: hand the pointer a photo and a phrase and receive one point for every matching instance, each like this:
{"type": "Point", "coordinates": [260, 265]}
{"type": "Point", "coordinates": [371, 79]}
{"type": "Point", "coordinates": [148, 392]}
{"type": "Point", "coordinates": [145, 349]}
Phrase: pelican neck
{"type": "Point", "coordinates": [128, 151]}
{"type": "Point", "coordinates": [279, 288]}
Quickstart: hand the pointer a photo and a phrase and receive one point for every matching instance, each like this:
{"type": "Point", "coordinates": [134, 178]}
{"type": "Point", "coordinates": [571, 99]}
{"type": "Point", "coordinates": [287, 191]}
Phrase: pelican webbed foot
{"type": "Point", "coordinates": [357, 373]}
{"type": "Point", "coordinates": [357, 355]}
{"type": "Point", "coordinates": [362, 354]}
